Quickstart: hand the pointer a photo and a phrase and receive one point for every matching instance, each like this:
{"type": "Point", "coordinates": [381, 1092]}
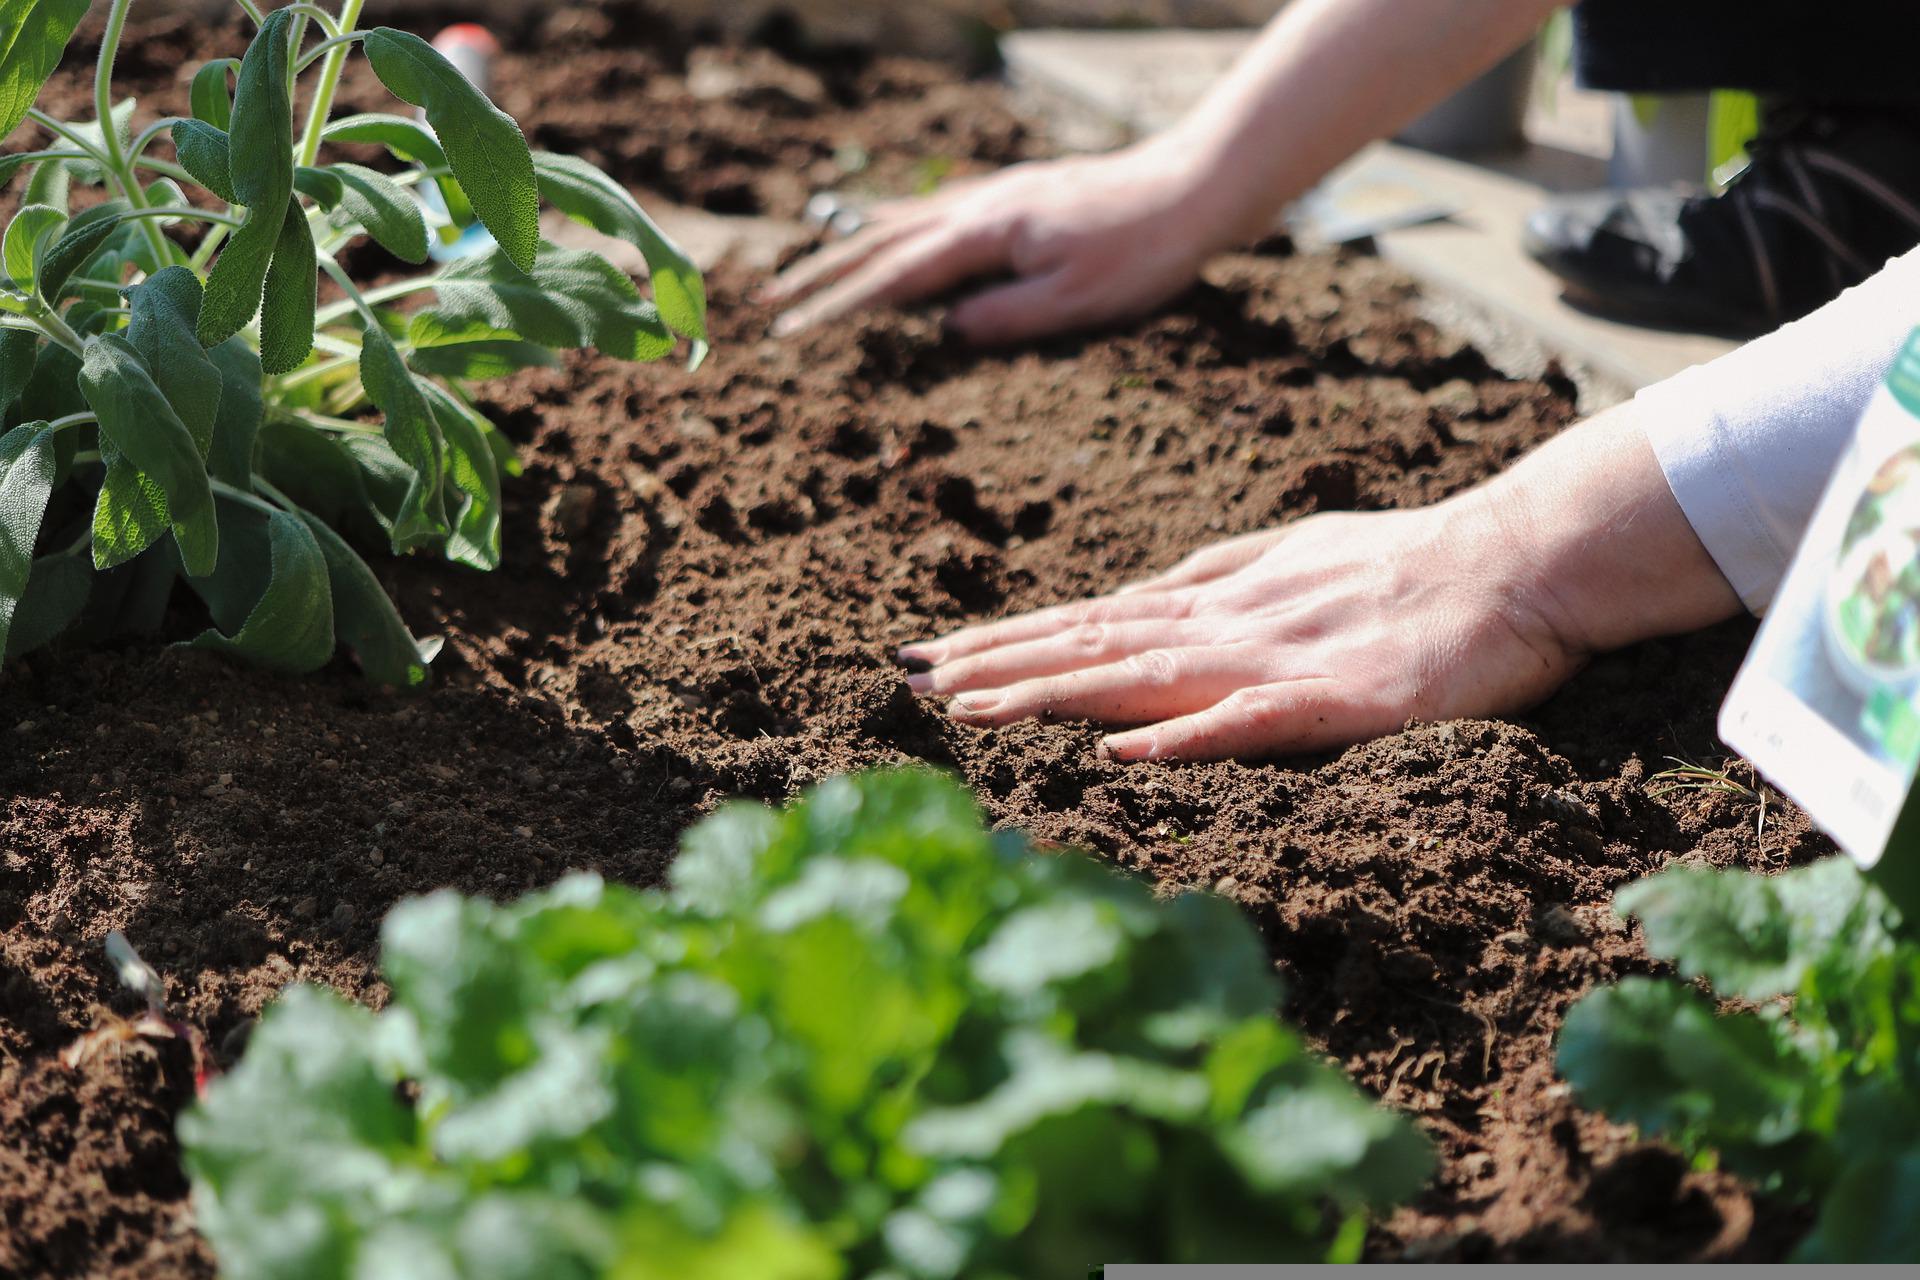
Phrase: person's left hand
{"type": "Point", "coordinates": [1315, 636]}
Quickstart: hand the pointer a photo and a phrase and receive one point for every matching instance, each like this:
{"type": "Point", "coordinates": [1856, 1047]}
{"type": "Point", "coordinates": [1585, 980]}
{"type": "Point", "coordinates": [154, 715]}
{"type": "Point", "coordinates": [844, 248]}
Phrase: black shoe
{"type": "Point", "coordinates": [1828, 197]}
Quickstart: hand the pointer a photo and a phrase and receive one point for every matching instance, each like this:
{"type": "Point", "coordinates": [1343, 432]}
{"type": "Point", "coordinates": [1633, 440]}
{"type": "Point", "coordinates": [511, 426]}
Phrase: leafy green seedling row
{"type": "Point", "coordinates": [1813, 1089]}
{"type": "Point", "coordinates": [178, 404]}
{"type": "Point", "coordinates": [863, 1037]}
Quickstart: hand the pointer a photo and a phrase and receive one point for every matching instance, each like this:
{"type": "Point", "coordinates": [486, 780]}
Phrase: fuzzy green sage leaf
{"type": "Point", "coordinates": [484, 147]}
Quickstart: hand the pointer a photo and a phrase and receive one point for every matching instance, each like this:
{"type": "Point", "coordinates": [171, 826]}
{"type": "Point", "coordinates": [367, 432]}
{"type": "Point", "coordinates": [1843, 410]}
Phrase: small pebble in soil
{"type": "Point", "coordinates": [573, 510]}
{"type": "Point", "coordinates": [1558, 926]}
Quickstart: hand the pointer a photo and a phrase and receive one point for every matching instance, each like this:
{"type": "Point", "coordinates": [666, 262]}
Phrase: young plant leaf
{"type": "Point", "coordinates": [260, 175]}
{"type": "Point", "coordinates": [407, 139]}
{"type": "Point", "coordinates": [165, 308]}
{"type": "Point", "coordinates": [129, 512]}
{"type": "Point", "coordinates": [414, 435]}
{"type": "Point", "coordinates": [33, 35]}
{"type": "Point", "coordinates": [205, 151]}
{"type": "Point", "coordinates": [53, 388]}
{"type": "Point", "coordinates": [27, 239]}
{"type": "Point", "coordinates": [27, 472]}
{"type": "Point", "coordinates": [482, 359]}
{"type": "Point", "coordinates": [82, 238]}
{"type": "Point", "coordinates": [292, 288]}
{"type": "Point", "coordinates": [56, 593]}
{"type": "Point", "coordinates": [376, 202]}
{"type": "Point", "coordinates": [136, 417]}
{"type": "Point", "coordinates": [49, 184]}
{"type": "Point", "coordinates": [365, 619]}
{"type": "Point", "coordinates": [230, 459]}
{"type": "Point", "coordinates": [1757, 936]}
{"type": "Point", "coordinates": [286, 627]}
{"type": "Point", "coordinates": [587, 195]}
{"type": "Point", "coordinates": [570, 298]}
{"type": "Point", "coordinates": [210, 96]}
{"type": "Point", "coordinates": [475, 477]}
{"type": "Point", "coordinates": [484, 147]}
{"type": "Point", "coordinates": [90, 171]}
{"type": "Point", "coordinates": [17, 353]}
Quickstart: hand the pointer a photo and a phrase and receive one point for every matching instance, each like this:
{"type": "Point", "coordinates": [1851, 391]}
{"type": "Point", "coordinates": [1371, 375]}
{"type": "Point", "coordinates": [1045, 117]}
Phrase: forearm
{"type": "Point", "coordinates": [1611, 557]}
{"type": "Point", "coordinates": [1324, 79]}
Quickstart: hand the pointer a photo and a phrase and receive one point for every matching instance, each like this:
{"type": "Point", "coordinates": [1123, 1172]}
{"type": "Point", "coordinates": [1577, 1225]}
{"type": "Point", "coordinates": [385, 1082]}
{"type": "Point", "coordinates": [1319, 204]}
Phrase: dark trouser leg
{"type": "Point", "coordinates": [1822, 51]}
{"type": "Point", "coordinates": [1833, 187]}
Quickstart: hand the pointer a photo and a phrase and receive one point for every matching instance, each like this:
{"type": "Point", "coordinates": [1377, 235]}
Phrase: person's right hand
{"type": "Point", "coordinates": [1088, 240]}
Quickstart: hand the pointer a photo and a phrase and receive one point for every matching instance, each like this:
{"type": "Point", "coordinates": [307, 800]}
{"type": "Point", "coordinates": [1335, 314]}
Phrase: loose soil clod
{"type": "Point", "coordinates": [705, 578]}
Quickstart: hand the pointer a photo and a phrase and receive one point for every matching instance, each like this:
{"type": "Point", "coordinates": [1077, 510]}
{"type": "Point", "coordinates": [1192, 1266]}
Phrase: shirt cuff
{"type": "Point", "coordinates": [1705, 471]}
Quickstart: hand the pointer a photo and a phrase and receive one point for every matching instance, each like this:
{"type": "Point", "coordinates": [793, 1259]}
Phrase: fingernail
{"type": "Point", "coordinates": [1124, 748]}
{"type": "Point", "coordinates": [913, 660]}
{"type": "Point", "coordinates": [920, 682]}
{"type": "Point", "coordinates": [785, 324]}
{"type": "Point", "coordinates": [969, 705]}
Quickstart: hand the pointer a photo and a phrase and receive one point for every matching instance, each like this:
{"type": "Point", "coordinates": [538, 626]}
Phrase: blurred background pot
{"type": "Point", "coordinates": [1486, 115]}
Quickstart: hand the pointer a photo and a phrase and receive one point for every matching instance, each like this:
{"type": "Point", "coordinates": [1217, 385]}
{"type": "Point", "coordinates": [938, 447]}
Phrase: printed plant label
{"type": "Point", "coordinates": [1827, 704]}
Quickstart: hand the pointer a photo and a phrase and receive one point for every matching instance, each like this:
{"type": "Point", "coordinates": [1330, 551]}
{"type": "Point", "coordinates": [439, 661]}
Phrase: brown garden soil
{"type": "Point", "coordinates": [704, 577]}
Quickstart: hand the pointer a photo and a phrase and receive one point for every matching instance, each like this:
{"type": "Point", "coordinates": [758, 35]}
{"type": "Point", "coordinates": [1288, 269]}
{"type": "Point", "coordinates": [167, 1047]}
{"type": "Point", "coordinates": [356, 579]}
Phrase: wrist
{"type": "Point", "coordinates": [1592, 542]}
{"type": "Point", "coordinates": [1205, 190]}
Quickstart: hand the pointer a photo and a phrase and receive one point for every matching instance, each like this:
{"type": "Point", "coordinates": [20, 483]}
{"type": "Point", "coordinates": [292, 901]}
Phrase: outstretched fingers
{"type": "Point", "coordinates": [1286, 717]}
{"type": "Point", "coordinates": [836, 260]}
{"type": "Point", "coordinates": [918, 264]}
{"type": "Point", "coordinates": [1090, 644]}
{"type": "Point", "coordinates": [1157, 684]}
{"type": "Point", "coordinates": [1040, 624]}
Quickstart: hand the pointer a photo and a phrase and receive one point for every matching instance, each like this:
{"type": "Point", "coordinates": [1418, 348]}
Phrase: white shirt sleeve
{"type": "Point", "coordinates": [1748, 441]}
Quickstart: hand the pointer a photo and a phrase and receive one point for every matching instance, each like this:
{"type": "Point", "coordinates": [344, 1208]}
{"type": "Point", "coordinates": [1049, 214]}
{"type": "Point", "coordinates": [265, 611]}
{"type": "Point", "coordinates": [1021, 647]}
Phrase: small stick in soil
{"type": "Point", "coordinates": [155, 1024]}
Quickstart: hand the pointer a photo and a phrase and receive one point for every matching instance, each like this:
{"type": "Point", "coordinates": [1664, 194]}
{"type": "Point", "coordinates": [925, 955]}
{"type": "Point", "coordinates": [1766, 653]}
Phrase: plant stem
{"type": "Point", "coordinates": [340, 277]}
{"type": "Point", "coordinates": [48, 321]}
{"type": "Point", "coordinates": [226, 490]}
{"type": "Point", "coordinates": [163, 249]}
{"type": "Point", "coordinates": [319, 15]}
{"type": "Point", "coordinates": [166, 167]}
{"type": "Point", "coordinates": [329, 82]}
{"type": "Point", "coordinates": [326, 47]}
{"type": "Point", "coordinates": [34, 157]}
{"type": "Point", "coordinates": [260, 483]}
{"type": "Point", "coordinates": [318, 369]}
{"type": "Point", "coordinates": [204, 253]}
{"type": "Point", "coordinates": [186, 212]}
{"type": "Point", "coordinates": [253, 11]}
{"type": "Point", "coordinates": [323, 422]}
{"type": "Point", "coordinates": [56, 127]}
{"type": "Point", "coordinates": [372, 297]}
{"type": "Point", "coordinates": [147, 135]}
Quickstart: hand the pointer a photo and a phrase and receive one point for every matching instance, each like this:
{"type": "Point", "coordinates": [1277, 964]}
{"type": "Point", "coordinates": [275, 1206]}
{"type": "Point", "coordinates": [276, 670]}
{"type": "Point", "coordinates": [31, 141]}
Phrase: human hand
{"type": "Point", "coordinates": [1330, 631]}
{"type": "Point", "coordinates": [1088, 239]}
